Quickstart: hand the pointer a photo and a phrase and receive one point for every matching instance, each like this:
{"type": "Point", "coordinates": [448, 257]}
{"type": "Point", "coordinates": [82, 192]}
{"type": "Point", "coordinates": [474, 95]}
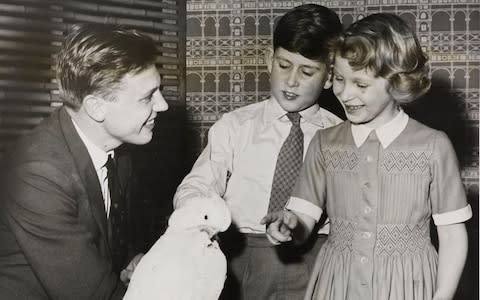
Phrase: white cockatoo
{"type": "Point", "coordinates": [185, 263]}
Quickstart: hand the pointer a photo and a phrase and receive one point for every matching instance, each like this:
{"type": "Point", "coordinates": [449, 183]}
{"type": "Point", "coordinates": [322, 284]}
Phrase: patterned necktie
{"type": "Point", "coordinates": [116, 218]}
{"type": "Point", "coordinates": [288, 166]}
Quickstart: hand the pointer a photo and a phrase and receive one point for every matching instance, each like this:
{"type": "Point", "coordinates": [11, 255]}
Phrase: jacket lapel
{"type": "Point", "coordinates": [86, 171]}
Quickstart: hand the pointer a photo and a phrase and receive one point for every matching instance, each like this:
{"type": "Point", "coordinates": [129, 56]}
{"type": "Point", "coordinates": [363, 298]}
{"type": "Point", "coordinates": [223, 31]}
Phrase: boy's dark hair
{"type": "Point", "coordinates": [95, 57]}
{"type": "Point", "coordinates": [307, 30]}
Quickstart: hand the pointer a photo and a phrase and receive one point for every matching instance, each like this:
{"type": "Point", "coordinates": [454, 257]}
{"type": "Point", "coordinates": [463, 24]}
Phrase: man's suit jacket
{"type": "Point", "coordinates": [53, 230]}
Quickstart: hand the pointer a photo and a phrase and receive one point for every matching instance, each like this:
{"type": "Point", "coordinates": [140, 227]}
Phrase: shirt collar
{"type": "Point", "coordinates": [386, 134]}
{"type": "Point", "coordinates": [98, 156]}
{"type": "Point", "coordinates": [273, 111]}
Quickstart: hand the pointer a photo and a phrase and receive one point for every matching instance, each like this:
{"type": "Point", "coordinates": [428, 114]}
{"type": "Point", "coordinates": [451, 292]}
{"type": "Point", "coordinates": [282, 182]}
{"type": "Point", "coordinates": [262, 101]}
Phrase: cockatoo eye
{"type": "Point", "coordinates": [205, 217]}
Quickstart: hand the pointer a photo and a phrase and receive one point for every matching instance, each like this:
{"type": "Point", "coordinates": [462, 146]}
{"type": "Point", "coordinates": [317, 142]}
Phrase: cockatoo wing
{"type": "Point", "coordinates": [179, 267]}
{"type": "Point", "coordinates": [184, 263]}
{"type": "Point", "coordinates": [212, 270]}
{"type": "Point", "coordinates": [163, 273]}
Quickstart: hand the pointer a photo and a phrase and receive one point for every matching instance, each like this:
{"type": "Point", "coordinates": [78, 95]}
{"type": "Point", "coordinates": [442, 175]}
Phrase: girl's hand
{"type": "Point", "coordinates": [280, 225]}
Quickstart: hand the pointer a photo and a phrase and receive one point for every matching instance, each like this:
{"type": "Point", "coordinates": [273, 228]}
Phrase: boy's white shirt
{"type": "Point", "coordinates": [247, 141]}
{"type": "Point", "coordinates": [386, 134]}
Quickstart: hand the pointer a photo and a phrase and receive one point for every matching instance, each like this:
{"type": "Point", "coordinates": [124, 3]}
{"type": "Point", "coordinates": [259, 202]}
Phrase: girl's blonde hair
{"type": "Point", "coordinates": [385, 44]}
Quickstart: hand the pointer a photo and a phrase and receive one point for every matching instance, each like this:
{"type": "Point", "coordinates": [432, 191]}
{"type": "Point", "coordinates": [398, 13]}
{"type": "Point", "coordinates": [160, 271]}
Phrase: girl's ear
{"type": "Point", "coordinates": [329, 81]}
{"type": "Point", "coordinates": [269, 59]}
{"type": "Point", "coordinates": [95, 107]}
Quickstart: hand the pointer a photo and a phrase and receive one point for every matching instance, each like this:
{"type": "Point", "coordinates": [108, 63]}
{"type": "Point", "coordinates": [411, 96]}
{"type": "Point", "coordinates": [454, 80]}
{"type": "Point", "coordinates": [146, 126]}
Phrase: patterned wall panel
{"type": "Point", "coordinates": [226, 41]}
{"type": "Point", "coordinates": [226, 68]}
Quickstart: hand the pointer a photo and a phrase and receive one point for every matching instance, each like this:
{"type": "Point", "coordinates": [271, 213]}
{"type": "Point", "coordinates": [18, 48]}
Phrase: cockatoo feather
{"type": "Point", "coordinates": [185, 264]}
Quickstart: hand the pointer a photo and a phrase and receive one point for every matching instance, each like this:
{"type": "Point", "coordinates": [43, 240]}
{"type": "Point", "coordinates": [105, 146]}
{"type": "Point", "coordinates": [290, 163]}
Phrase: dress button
{"type": "Point", "coordinates": [367, 209]}
{"type": "Point", "coordinates": [366, 235]}
{"type": "Point", "coordinates": [363, 260]}
{"type": "Point", "coordinates": [369, 158]}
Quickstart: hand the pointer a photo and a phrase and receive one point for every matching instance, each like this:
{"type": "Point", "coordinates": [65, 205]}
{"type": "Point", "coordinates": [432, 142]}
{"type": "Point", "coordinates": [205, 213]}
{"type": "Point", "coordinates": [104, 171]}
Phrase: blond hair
{"type": "Point", "coordinates": [385, 44]}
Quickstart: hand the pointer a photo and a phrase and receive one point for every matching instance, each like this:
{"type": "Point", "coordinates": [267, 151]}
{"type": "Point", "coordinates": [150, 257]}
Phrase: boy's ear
{"type": "Point", "coordinates": [95, 107]}
{"type": "Point", "coordinates": [329, 81]}
{"type": "Point", "coordinates": [269, 59]}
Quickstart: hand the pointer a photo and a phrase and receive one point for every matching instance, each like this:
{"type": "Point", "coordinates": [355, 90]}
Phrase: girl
{"type": "Point", "coordinates": [380, 175]}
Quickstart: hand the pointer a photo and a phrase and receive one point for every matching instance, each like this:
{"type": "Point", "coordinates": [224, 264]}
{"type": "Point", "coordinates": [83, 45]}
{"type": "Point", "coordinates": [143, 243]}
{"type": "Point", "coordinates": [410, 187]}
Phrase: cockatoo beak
{"type": "Point", "coordinates": [209, 230]}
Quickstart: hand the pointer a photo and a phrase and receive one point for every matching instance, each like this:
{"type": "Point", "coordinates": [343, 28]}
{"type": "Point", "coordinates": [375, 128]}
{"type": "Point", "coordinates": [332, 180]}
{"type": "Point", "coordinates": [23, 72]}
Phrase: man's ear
{"type": "Point", "coordinates": [329, 81]}
{"type": "Point", "coordinates": [269, 59]}
{"type": "Point", "coordinates": [95, 107]}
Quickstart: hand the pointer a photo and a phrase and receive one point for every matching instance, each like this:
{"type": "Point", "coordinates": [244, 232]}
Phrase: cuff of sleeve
{"type": "Point", "coordinates": [304, 207]}
{"type": "Point", "coordinates": [453, 217]}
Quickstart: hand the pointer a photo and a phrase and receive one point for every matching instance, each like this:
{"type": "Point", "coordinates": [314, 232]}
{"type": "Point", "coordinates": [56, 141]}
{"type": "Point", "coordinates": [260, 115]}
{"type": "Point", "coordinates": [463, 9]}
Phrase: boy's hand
{"type": "Point", "coordinates": [280, 225]}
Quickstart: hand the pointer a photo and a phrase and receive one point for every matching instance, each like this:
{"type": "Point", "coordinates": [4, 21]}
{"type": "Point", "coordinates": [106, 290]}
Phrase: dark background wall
{"type": "Point", "coordinates": [226, 40]}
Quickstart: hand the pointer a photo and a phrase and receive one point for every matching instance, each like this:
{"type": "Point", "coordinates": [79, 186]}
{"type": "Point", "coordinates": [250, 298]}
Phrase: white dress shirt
{"type": "Point", "coordinates": [99, 159]}
{"type": "Point", "coordinates": [242, 150]}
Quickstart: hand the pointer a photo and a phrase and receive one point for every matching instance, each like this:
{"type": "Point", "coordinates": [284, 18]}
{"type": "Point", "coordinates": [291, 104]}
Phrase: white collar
{"type": "Point", "coordinates": [274, 111]}
{"type": "Point", "coordinates": [98, 156]}
{"type": "Point", "coordinates": [386, 134]}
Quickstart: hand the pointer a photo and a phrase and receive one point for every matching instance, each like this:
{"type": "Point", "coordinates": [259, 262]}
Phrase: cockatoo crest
{"type": "Point", "coordinates": [206, 211]}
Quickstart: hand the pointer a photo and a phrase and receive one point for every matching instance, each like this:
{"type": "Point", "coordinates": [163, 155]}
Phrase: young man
{"type": "Point", "coordinates": [64, 216]}
{"type": "Point", "coordinates": [247, 159]}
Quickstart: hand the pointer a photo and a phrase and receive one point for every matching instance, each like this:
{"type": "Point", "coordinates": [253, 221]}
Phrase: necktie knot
{"type": "Point", "coordinates": [110, 164]}
{"type": "Point", "coordinates": [294, 117]}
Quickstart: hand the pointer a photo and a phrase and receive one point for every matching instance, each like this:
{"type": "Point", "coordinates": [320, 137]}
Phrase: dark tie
{"type": "Point", "coordinates": [288, 166]}
{"type": "Point", "coordinates": [117, 217]}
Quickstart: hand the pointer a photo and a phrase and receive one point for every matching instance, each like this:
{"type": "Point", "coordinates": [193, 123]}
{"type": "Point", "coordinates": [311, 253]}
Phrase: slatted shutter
{"type": "Point", "coordinates": [27, 43]}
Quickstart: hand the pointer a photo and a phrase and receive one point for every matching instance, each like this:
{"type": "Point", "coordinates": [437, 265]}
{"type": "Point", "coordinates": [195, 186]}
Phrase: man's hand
{"type": "Point", "coordinates": [127, 273]}
{"type": "Point", "coordinates": [280, 225]}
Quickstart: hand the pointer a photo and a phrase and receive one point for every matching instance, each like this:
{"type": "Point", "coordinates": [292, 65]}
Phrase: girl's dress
{"type": "Point", "coordinates": [380, 201]}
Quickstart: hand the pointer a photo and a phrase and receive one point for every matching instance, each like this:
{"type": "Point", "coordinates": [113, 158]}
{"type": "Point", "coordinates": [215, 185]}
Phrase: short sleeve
{"type": "Point", "coordinates": [448, 199]}
{"type": "Point", "coordinates": [310, 190]}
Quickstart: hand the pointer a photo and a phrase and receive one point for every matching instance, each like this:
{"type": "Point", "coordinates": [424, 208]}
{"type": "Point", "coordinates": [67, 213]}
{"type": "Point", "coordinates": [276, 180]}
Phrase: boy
{"type": "Point", "coordinates": [244, 159]}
